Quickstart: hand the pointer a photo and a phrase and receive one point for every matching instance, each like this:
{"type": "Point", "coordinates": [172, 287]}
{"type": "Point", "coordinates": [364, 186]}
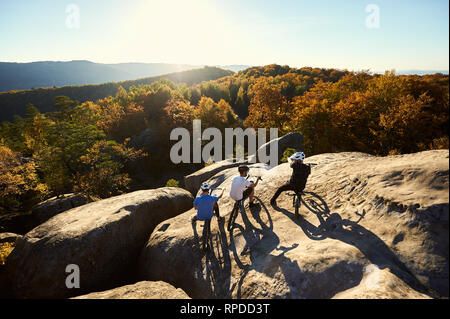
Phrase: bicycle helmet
{"type": "Point", "coordinates": [205, 187]}
{"type": "Point", "coordinates": [243, 168]}
{"type": "Point", "coordinates": [298, 156]}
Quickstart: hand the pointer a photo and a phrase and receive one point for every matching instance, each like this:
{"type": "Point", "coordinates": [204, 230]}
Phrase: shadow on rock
{"type": "Point", "coordinates": [350, 232]}
{"type": "Point", "coordinates": [260, 244]}
{"type": "Point", "coordinates": [217, 262]}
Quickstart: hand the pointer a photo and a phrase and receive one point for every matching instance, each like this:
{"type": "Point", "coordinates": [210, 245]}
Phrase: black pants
{"type": "Point", "coordinates": [287, 187]}
{"type": "Point", "coordinates": [246, 193]}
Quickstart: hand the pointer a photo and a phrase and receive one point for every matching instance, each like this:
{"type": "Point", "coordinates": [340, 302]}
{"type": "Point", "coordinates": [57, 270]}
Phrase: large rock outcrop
{"type": "Point", "coordinates": [291, 140]}
{"type": "Point", "coordinates": [140, 290]}
{"type": "Point", "coordinates": [193, 181]}
{"type": "Point", "coordinates": [9, 237]}
{"type": "Point", "coordinates": [17, 222]}
{"type": "Point", "coordinates": [369, 227]}
{"type": "Point", "coordinates": [56, 205]}
{"type": "Point", "coordinates": [103, 238]}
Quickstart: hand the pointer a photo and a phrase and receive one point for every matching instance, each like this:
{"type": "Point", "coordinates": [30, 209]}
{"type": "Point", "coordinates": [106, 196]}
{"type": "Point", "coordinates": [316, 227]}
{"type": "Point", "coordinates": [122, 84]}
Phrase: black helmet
{"type": "Point", "coordinates": [243, 168]}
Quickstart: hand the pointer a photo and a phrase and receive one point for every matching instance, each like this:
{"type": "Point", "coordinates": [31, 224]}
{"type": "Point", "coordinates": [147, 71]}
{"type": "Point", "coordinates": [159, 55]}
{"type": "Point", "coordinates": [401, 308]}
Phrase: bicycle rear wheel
{"type": "Point", "coordinates": [297, 206]}
{"type": "Point", "coordinates": [206, 236]}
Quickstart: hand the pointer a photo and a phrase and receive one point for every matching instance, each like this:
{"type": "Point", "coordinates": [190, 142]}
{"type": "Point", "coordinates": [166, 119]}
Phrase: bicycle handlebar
{"type": "Point", "coordinates": [212, 189]}
{"type": "Point", "coordinates": [257, 177]}
{"type": "Point", "coordinates": [311, 164]}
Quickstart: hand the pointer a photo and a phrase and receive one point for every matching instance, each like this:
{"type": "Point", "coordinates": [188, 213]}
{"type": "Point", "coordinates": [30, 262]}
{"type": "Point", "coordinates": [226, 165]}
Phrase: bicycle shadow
{"type": "Point", "coordinates": [333, 226]}
{"type": "Point", "coordinates": [260, 242]}
{"type": "Point", "coordinates": [216, 273]}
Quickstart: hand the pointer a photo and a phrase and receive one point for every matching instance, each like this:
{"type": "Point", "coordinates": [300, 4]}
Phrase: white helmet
{"type": "Point", "coordinates": [205, 187]}
{"type": "Point", "coordinates": [298, 156]}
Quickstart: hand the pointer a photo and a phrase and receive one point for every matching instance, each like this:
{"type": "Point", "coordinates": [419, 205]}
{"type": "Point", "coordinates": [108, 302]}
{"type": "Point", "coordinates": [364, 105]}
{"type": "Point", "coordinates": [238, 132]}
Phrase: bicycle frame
{"type": "Point", "coordinates": [296, 202]}
{"type": "Point", "coordinates": [238, 206]}
{"type": "Point", "coordinates": [207, 226]}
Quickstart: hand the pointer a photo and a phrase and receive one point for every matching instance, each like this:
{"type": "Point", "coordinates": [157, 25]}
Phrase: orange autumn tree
{"type": "Point", "coordinates": [120, 116]}
{"type": "Point", "coordinates": [312, 116]}
{"type": "Point", "coordinates": [268, 106]}
{"type": "Point", "coordinates": [219, 115]}
{"type": "Point", "coordinates": [178, 113]}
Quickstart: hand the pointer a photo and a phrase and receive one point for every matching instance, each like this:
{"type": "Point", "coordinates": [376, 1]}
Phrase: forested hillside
{"type": "Point", "coordinates": [15, 102]}
{"type": "Point", "coordinates": [107, 146]}
{"type": "Point", "coordinates": [25, 76]}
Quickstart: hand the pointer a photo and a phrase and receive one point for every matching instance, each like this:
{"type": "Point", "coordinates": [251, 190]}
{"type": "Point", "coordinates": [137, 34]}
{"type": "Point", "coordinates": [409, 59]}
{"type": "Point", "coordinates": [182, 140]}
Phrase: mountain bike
{"type": "Point", "coordinates": [207, 227]}
{"type": "Point", "coordinates": [297, 196]}
{"type": "Point", "coordinates": [238, 207]}
{"type": "Point", "coordinates": [296, 201]}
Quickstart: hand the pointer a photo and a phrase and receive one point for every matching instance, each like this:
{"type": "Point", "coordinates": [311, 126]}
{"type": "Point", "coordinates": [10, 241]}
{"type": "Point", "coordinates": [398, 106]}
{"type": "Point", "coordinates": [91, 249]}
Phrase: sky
{"type": "Point", "coordinates": [345, 34]}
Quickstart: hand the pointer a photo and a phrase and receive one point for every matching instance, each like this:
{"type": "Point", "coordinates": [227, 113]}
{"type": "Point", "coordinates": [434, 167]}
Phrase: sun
{"type": "Point", "coordinates": [176, 30]}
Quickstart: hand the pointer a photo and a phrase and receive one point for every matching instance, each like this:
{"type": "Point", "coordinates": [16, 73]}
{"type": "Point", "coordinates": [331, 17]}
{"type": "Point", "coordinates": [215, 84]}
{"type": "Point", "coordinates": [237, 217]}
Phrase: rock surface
{"type": "Point", "coordinates": [17, 222]}
{"type": "Point", "coordinates": [380, 284]}
{"type": "Point", "coordinates": [193, 181]}
{"type": "Point", "coordinates": [56, 205]}
{"type": "Point", "coordinates": [9, 237]}
{"type": "Point", "coordinates": [103, 238]}
{"type": "Point", "coordinates": [291, 140]}
{"type": "Point", "coordinates": [369, 227]}
{"type": "Point", "coordinates": [140, 290]}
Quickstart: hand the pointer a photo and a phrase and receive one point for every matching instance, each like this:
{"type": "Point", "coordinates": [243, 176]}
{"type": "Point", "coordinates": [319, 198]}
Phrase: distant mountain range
{"type": "Point", "coordinates": [46, 74]}
{"type": "Point", "coordinates": [418, 72]}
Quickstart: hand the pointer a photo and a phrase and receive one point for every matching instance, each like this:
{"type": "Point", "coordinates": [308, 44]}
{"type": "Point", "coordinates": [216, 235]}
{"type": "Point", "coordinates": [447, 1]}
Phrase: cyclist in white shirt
{"type": "Point", "coordinates": [241, 188]}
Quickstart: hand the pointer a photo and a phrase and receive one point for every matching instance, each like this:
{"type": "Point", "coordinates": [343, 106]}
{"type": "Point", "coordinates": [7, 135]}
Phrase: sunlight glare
{"type": "Point", "coordinates": [193, 27]}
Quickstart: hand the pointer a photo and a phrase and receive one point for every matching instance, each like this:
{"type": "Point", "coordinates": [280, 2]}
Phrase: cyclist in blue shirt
{"type": "Point", "coordinates": [206, 204]}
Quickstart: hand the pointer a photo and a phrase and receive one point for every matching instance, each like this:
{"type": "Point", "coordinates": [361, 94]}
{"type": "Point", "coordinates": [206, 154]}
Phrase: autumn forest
{"type": "Point", "coordinates": [120, 142]}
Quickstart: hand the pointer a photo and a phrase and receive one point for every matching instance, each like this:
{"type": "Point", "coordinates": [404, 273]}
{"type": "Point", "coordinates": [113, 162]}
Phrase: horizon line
{"type": "Point", "coordinates": [435, 70]}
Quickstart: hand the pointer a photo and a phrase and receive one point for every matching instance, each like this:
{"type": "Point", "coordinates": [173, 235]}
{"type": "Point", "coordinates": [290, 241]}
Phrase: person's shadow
{"type": "Point", "coordinates": [217, 277]}
{"type": "Point", "coordinates": [351, 232]}
{"type": "Point", "coordinates": [260, 242]}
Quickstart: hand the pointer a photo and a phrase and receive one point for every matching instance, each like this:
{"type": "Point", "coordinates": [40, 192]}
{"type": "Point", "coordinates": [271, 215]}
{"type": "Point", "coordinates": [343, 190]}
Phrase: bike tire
{"type": "Point", "coordinates": [297, 206]}
{"type": "Point", "coordinates": [232, 219]}
{"type": "Point", "coordinates": [205, 245]}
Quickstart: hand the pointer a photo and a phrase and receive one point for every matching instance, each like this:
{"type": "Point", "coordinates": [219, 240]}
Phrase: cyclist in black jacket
{"type": "Point", "coordinates": [298, 179]}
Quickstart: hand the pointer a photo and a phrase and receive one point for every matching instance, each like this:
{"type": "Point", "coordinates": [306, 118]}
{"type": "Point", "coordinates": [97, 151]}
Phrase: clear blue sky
{"type": "Point", "coordinates": [412, 34]}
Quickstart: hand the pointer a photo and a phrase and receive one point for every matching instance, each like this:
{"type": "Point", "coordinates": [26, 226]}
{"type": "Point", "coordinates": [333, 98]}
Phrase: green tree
{"type": "Point", "coordinates": [172, 183]}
